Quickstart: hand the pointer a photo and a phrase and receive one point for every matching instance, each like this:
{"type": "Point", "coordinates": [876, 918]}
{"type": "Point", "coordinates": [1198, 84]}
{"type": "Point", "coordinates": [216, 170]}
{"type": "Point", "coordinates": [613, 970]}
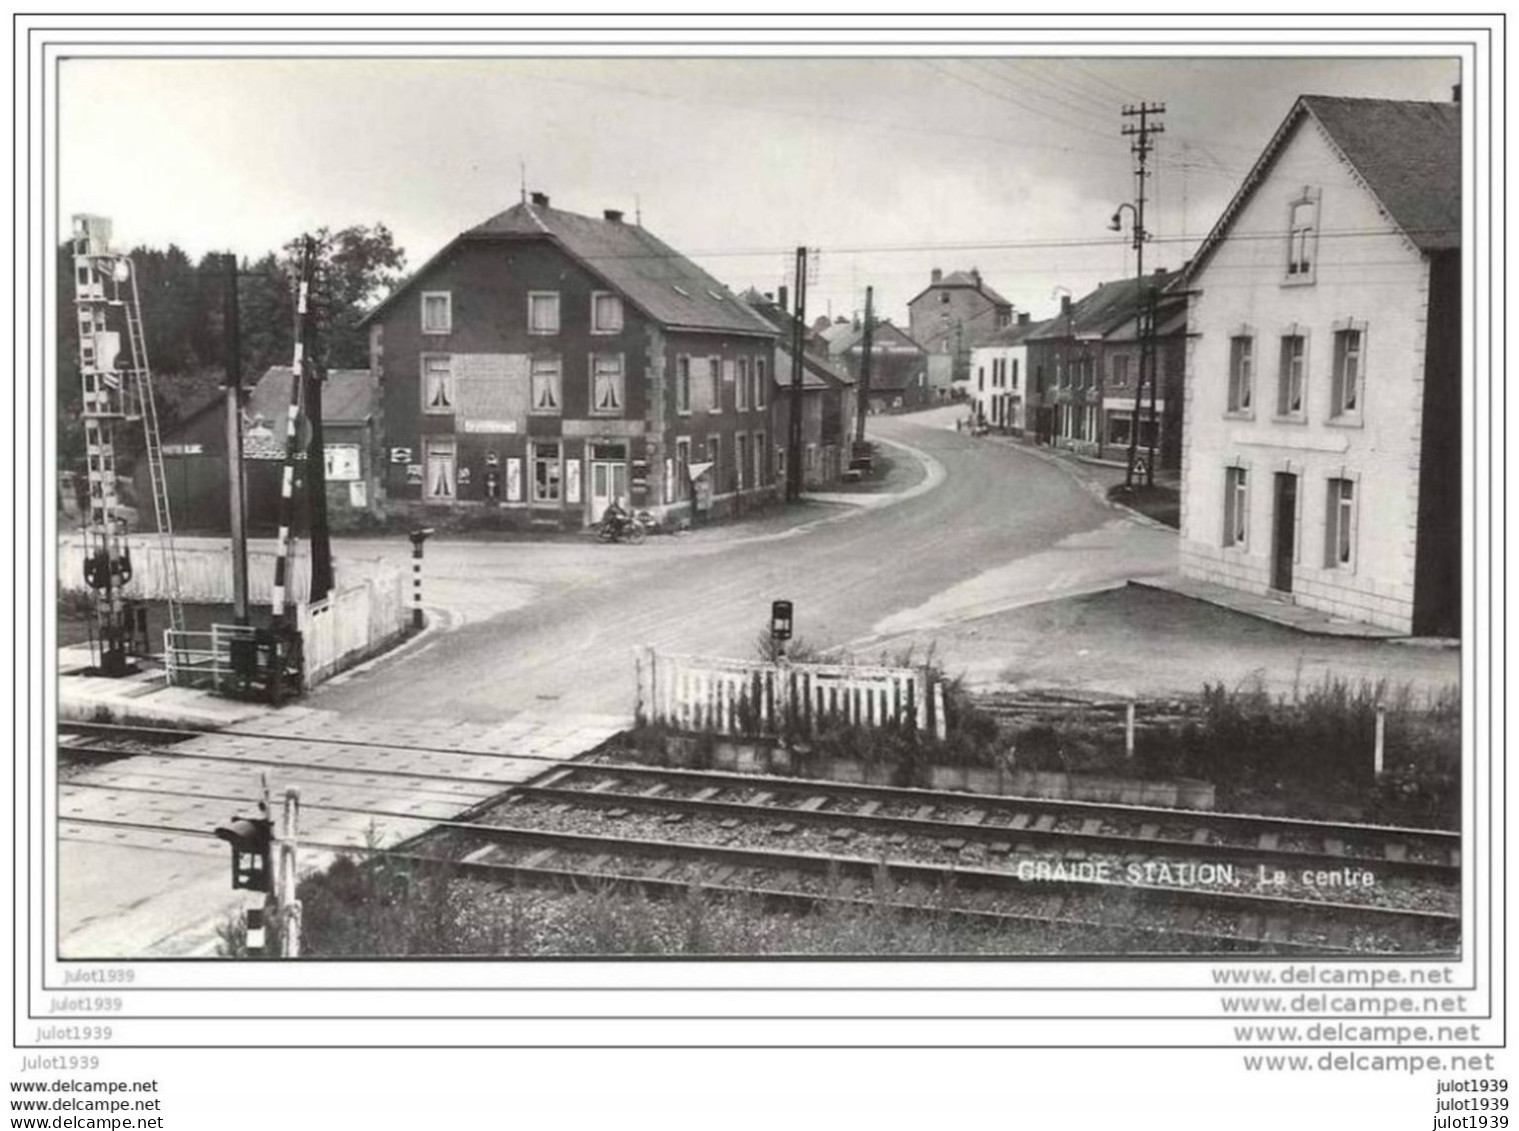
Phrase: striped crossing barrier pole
{"type": "Point", "coordinates": [287, 482]}
{"type": "Point", "coordinates": [416, 585]}
{"type": "Point", "coordinates": [253, 924]}
{"type": "Point", "coordinates": [418, 537]}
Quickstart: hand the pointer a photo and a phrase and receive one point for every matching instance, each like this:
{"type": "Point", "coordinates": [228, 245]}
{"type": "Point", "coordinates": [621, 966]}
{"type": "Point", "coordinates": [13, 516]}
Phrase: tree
{"type": "Point", "coordinates": [355, 268]}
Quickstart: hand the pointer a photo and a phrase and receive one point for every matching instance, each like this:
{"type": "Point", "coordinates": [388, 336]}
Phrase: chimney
{"type": "Point", "coordinates": [975, 273]}
{"type": "Point", "coordinates": [541, 199]}
{"type": "Point", "coordinates": [769, 296]}
{"type": "Point", "coordinates": [1023, 318]}
{"type": "Point", "coordinates": [936, 276]}
{"type": "Point", "coordinates": [1065, 304]}
{"type": "Point", "coordinates": [780, 298]}
{"type": "Point", "coordinates": [613, 214]}
{"type": "Point", "coordinates": [1455, 94]}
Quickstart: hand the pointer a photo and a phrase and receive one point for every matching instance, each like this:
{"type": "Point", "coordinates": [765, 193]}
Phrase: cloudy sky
{"type": "Point", "coordinates": [889, 166]}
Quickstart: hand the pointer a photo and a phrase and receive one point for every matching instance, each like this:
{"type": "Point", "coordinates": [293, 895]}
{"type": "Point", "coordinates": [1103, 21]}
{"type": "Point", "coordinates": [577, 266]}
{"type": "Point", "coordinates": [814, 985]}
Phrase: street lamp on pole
{"type": "Point", "coordinates": [1142, 330]}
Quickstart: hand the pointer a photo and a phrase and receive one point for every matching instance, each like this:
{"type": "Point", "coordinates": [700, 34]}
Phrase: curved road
{"type": "Point", "coordinates": [536, 625]}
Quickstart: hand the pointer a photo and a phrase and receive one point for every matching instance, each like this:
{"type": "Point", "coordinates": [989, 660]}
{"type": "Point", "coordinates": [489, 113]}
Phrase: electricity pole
{"type": "Point", "coordinates": [794, 477]}
{"type": "Point", "coordinates": [863, 386]}
{"type": "Point", "coordinates": [1141, 148]}
{"type": "Point", "coordinates": [232, 345]}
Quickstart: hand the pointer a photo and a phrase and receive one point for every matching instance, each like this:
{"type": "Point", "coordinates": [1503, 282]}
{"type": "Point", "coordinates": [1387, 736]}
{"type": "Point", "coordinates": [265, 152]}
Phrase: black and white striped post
{"type": "Point", "coordinates": [418, 537]}
{"type": "Point", "coordinates": [292, 419]}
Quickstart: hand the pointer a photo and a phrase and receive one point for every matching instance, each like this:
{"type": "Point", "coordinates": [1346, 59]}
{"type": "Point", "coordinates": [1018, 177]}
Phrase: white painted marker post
{"type": "Point", "coordinates": [1378, 757]}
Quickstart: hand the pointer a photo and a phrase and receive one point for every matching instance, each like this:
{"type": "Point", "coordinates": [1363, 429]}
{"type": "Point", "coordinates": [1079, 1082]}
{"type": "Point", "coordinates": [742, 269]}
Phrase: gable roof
{"type": "Point", "coordinates": [881, 340]}
{"type": "Point", "coordinates": [1407, 154]}
{"type": "Point", "coordinates": [348, 395]}
{"type": "Point", "coordinates": [971, 279]}
{"type": "Point", "coordinates": [1099, 311]}
{"type": "Point", "coordinates": [646, 271]}
{"type": "Point", "coordinates": [1011, 335]}
{"type": "Point", "coordinates": [817, 373]}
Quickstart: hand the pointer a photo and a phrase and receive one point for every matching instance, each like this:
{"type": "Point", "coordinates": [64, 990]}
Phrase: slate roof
{"type": "Point", "coordinates": [881, 341]}
{"type": "Point", "coordinates": [1408, 154]}
{"type": "Point", "coordinates": [646, 271]}
{"type": "Point", "coordinates": [816, 372]}
{"type": "Point", "coordinates": [1011, 335]}
{"type": "Point", "coordinates": [348, 397]}
{"type": "Point", "coordinates": [962, 279]}
{"type": "Point", "coordinates": [1101, 310]}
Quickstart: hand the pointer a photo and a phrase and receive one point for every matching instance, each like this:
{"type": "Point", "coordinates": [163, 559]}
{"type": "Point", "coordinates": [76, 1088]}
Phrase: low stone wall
{"type": "Point", "coordinates": [757, 756]}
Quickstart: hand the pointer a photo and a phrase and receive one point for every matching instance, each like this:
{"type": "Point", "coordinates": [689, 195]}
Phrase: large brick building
{"type": "Point", "coordinates": [1322, 451]}
{"type": "Point", "coordinates": [950, 317]}
{"type": "Point", "coordinates": [545, 363]}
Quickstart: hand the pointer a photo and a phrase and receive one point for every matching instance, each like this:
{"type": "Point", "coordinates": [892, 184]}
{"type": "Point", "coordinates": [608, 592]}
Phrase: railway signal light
{"type": "Point", "coordinates": [780, 620]}
{"type": "Point", "coordinates": [252, 840]}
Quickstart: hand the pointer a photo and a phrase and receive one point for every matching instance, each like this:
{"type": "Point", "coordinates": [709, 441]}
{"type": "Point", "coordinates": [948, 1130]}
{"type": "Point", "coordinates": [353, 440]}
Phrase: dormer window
{"type": "Point", "coordinates": [1303, 237]}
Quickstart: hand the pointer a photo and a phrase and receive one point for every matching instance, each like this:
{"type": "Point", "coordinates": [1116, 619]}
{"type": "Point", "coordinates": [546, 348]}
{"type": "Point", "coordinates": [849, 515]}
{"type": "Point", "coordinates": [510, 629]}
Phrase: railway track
{"type": "Point", "coordinates": [1182, 834]}
{"type": "Point", "coordinates": [1062, 868]}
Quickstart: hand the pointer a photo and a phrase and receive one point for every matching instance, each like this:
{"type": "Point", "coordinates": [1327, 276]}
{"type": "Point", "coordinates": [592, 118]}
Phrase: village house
{"type": "Point", "coordinates": [1085, 364]}
{"type": "Point", "coordinates": [950, 317]}
{"type": "Point", "coordinates": [545, 364]}
{"type": "Point", "coordinates": [195, 455]}
{"type": "Point", "coordinates": [999, 378]}
{"type": "Point", "coordinates": [1322, 450]}
{"type": "Point", "coordinates": [828, 400]}
{"type": "Point", "coordinates": [898, 365]}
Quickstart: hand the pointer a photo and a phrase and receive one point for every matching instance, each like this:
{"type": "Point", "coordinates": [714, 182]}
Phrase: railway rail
{"type": "Point", "coordinates": [803, 842]}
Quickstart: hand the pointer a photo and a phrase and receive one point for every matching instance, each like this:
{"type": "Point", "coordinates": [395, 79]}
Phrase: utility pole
{"type": "Point", "coordinates": [237, 497]}
{"type": "Point", "coordinates": [1150, 325]}
{"type": "Point", "coordinates": [1141, 147]}
{"type": "Point", "coordinates": [794, 477]}
{"type": "Point", "coordinates": [316, 455]}
{"type": "Point", "coordinates": [863, 385]}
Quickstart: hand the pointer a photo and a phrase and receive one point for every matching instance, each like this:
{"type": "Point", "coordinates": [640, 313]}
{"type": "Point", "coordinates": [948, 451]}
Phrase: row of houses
{"type": "Point", "coordinates": [1308, 370]}
{"type": "Point", "coordinates": [545, 363]}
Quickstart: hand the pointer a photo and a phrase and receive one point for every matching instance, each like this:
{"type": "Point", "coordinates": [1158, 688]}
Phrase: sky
{"type": "Point", "coordinates": [889, 167]}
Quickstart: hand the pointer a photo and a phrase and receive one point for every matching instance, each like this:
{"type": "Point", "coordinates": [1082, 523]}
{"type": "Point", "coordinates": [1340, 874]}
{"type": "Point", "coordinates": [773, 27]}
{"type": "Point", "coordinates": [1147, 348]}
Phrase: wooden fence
{"type": "Point", "coordinates": [205, 571]}
{"type": "Point", "coordinates": [350, 624]}
{"type": "Point", "coordinates": [738, 697]}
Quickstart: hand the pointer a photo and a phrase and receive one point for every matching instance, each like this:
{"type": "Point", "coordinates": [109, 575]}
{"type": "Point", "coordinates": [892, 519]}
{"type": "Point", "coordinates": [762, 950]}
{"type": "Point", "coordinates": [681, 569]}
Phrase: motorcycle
{"type": "Point", "coordinates": [615, 527]}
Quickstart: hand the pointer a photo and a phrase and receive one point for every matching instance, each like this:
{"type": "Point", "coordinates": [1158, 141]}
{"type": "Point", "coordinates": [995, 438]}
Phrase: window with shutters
{"type": "Point", "coordinates": [761, 383]}
{"type": "Point", "coordinates": [715, 377]}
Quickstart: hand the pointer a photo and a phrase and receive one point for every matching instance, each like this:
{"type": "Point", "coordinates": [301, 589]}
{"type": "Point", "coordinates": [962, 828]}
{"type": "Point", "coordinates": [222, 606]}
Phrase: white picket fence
{"type": "Point", "coordinates": [738, 697]}
{"type": "Point", "coordinates": [368, 612]}
{"type": "Point", "coordinates": [350, 624]}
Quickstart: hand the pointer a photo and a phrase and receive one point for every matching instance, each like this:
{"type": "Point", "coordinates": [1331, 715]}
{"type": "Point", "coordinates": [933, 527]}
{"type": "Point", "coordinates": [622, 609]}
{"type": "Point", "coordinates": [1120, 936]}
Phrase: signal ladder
{"type": "Point", "coordinates": [116, 389]}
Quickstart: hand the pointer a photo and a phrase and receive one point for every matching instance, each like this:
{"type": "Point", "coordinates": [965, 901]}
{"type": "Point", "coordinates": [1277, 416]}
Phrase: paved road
{"type": "Point", "coordinates": [530, 625]}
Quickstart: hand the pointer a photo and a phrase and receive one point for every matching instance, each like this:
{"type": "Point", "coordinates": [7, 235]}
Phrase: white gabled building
{"type": "Point", "coordinates": [998, 386]}
{"type": "Point", "coordinates": [1322, 441]}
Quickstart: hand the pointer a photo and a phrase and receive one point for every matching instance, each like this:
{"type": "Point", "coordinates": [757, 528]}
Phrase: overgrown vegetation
{"type": "Point", "coordinates": [1309, 751]}
{"type": "Point", "coordinates": [395, 907]}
